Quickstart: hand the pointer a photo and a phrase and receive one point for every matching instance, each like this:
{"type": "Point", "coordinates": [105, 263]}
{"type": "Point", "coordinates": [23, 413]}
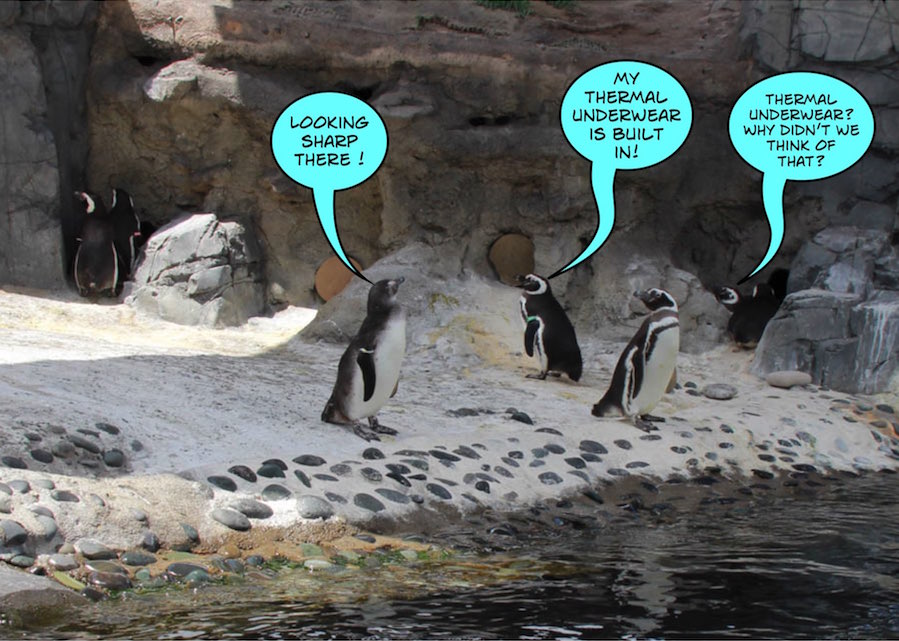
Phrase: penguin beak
{"type": "Point", "coordinates": [521, 280]}
{"type": "Point", "coordinates": [399, 281]}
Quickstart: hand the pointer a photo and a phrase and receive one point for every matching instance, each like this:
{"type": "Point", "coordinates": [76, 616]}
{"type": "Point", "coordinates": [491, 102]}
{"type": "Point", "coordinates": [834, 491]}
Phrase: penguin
{"type": "Point", "coordinates": [127, 230]}
{"type": "Point", "coordinates": [646, 366]}
{"type": "Point", "coordinates": [96, 260]}
{"type": "Point", "coordinates": [749, 314]}
{"type": "Point", "coordinates": [369, 370]}
{"type": "Point", "coordinates": [548, 333]}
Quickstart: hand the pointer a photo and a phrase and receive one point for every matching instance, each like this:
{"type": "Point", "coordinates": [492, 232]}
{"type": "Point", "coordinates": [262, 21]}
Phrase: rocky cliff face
{"type": "Point", "coordinates": [182, 97]}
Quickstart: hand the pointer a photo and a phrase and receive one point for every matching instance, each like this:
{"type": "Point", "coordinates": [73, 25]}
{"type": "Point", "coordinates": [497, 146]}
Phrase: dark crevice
{"type": "Point", "coordinates": [491, 121]}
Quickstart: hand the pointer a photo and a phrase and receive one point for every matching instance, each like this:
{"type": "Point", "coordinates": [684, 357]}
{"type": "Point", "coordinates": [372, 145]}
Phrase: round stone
{"type": "Point", "coordinates": [251, 508]}
{"type": "Point", "coordinates": [22, 561]}
{"type": "Point", "coordinates": [190, 532]}
{"type": "Point", "coordinates": [222, 482]}
{"type": "Point", "coordinates": [392, 495]}
{"type": "Point", "coordinates": [439, 491]}
{"type": "Point", "coordinates": [464, 450]}
{"type": "Point", "coordinates": [368, 502]}
{"type": "Point", "coordinates": [313, 507]}
{"type": "Point", "coordinates": [5, 489]}
{"type": "Point", "coordinates": [45, 484]}
{"type": "Point", "coordinates": [114, 458]}
{"type": "Point", "coordinates": [550, 478]}
{"type": "Point", "coordinates": [511, 462]}
{"type": "Point", "coordinates": [788, 378]}
{"type": "Point", "coordinates": [270, 471]}
{"type": "Point", "coordinates": [554, 448]}
{"type": "Point", "coordinates": [42, 456]}
{"type": "Point", "coordinates": [96, 500]}
{"type": "Point", "coordinates": [180, 569]}
{"type": "Point", "coordinates": [539, 452]}
{"type": "Point", "coordinates": [623, 444]}
{"type": "Point", "coordinates": [275, 492]}
{"type": "Point", "coordinates": [372, 454]}
{"type": "Point", "coordinates": [63, 562]}
{"type": "Point", "coordinates": [93, 550]}
{"type": "Point", "coordinates": [325, 477]}
{"type": "Point", "coordinates": [22, 487]}
{"type": "Point", "coordinates": [399, 468]}
{"type": "Point", "coordinates": [719, 391]}
{"type": "Point", "coordinates": [335, 498]}
{"type": "Point", "coordinates": [106, 427]}
{"type": "Point", "coordinates": [63, 449]}
{"type": "Point", "coordinates": [149, 541]}
{"type": "Point", "coordinates": [341, 469]}
{"type": "Point", "coordinates": [371, 474]}
{"type": "Point", "coordinates": [5, 505]}
{"type": "Point", "coordinates": [105, 566]}
{"type": "Point", "coordinates": [64, 496]}
{"type": "Point", "coordinates": [521, 417]}
{"type": "Point", "coordinates": [137, 558]}
{"type": "Point", "coordinates": [242, 471]}
{"type": "Point", "coordinates": [302, 477]}
{"type": "Point", "coordinates": [277, 462]}
{"type": "Point", "coordinates": [511, 255]}
{"type": "Point", "coordinates": [499, 469]}
{"type": "Point", "coordinates": [231, 518]}
{"type": "Point", "coordinates": [14, 462]}
{"type": "Point", "coordinates": [48, 525]}
{"type": "Point", "coordinates": [483, 486]}
{"type": "Point", "coordinates": [576, 462]}
{"type": "Point", "coordinates": [309, 460]}
{"type": "Point", "coordinates": [12, 533]}
{"type": "Point", "coordinates": [84, 444]}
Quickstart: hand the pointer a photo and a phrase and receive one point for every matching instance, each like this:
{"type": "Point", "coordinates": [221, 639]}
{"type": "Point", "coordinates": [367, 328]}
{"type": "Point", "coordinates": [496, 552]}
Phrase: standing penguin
{"type": "Point", "coordinates": [647, 364]}
{"type": "Point", "coordinates": [749, 314]}
{"type": "Point", "coordinates": [548, 333]}
{"type": "Point", "coordinates": [369, 370]}
{"type": "Point", "coordinates": [127, 230]}
{"type": "Point", "coordinates": [96, 260]}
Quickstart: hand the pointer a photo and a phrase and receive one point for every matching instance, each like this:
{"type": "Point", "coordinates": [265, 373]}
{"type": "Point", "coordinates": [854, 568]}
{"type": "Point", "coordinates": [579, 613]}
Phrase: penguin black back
{"type": "Point", "coordinates": [127, 230]}
{"type": "Point", "coordinates": [749, 314]}
{"type": "Point", "coordinates": [549, 333]}
{"type": "Point", "coordinates": [96, 266]}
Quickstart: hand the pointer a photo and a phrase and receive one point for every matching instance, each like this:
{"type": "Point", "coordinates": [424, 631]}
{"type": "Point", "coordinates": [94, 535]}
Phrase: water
{"type": "Point", "coordinates": [797, 564]}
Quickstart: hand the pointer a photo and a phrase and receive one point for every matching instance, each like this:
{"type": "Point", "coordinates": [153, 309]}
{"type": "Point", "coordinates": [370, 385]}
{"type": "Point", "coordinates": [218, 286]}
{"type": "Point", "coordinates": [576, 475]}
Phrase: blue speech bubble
{"type": "Point", "coordinates": [622, 115]}
{"type": "Point", "coordinates": [327, 142]}
{"type": "Point", "coordinates": [798, 126]}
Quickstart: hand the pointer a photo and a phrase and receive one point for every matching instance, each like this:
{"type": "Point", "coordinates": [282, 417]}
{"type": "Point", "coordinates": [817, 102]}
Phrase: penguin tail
{"type": "Point", "coordinates": [576, 370]}
{"type": "Point", "coordinates": [605, 406]}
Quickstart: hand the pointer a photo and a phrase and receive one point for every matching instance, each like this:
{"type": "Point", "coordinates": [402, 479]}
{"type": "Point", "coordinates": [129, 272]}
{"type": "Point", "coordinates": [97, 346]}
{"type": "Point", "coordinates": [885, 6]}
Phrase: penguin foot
{"type": "Point", "coordinates": [364, 433]}
{"type": "Point", "coordinates": [653, 419]}
{"type": "Point", "coordinates": [642, 424]}
{"type": "Point", "coordinates": [380, 429]}
{"type": "Point", "coordinates": [541, 376]}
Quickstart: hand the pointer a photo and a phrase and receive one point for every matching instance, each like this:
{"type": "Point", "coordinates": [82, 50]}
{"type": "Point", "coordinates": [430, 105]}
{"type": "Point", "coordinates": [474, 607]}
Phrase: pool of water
{"type": "Point", "coordinates": [798, 564]}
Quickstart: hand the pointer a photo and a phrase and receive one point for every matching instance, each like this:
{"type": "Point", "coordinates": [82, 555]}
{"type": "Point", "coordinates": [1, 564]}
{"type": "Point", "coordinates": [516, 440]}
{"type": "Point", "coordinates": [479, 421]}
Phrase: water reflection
{"type": "Point", "coordinates": [824, 565]}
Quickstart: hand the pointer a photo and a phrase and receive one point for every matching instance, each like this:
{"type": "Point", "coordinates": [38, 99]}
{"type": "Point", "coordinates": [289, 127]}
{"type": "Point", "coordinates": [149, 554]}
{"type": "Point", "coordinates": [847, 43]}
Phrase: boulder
{"type": "Point", "coordinates": [198, 270]}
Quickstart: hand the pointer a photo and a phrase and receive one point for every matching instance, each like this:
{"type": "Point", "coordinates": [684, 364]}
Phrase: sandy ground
{"type": "Point", "coordinates": [189, 403]}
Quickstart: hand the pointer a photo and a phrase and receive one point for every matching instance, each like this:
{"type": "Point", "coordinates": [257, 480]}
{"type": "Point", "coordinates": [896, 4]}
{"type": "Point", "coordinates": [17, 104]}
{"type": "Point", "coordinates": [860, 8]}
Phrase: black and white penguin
{"type": "Point", "coordinates": [749, 314]}
{"type": "Point", "coordinates": [96, 260]}
{"type": "Point", "coordinates": [548, 333]}
{"type": "Point", "coordinates": [369, 370]}
{"type": "Point", "coordinates": [647, 364]}
{"type": "Point", "coordinates": [127, 230]}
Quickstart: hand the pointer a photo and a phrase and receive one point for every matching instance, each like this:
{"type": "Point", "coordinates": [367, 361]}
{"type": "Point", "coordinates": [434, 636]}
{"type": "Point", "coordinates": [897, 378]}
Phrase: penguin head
{"type": "Point", "coordinates": [533, 284]}
{"type": "Point", "coordinates": [92, 203]}
{"type": "Point", "coordinates": [657, 299]}
{"type": "Point", "coordinates": [382, 294]}
{"type": "Point", "coordinates": [763, 291]}
{"type": "Point", "coordinates": [727, 296]}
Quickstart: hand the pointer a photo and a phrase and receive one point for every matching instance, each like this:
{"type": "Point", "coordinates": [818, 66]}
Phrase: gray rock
{"type": "Point", "coordinates": [231, 518]}
{"type": "Point", "coordinates": [21, 592]}
{"type": "Point", "coordinates": [137, 558]}
{"type": "Point", "coordinates": [198, 270]}
{"type": "Point", "coordinates": [62, 562]}
{"type": "Point", "coordinates": [12, 533]}
{"type": "Point", "coordinates": [94, 550]}
{"type": "Point", "coordinates": [719, 391]}
{"type": "Point", "coordinates": [313, 507]}
{"type": "Point", "coordinates": [787, 379]}
{"type": "Point", "coordinates": [252, 509]}
{"type": "Point", "coordinates": [114, 458]}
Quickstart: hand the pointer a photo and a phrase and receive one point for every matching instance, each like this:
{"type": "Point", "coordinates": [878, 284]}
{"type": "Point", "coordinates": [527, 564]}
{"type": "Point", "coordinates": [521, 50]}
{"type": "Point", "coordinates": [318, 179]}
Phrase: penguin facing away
{"type": "Point", "coordinates": [96, 260]}
{"type": "Point", "coordinates": [647, 364]}
{"type": "Point", "coordinates": [548, 333]}
{"type": "Point", "coordinates": [369, 370]}
{"type": "Point", "coordinates": [127, 230]}
{"type": "Point", "coordinates": [749, 314]}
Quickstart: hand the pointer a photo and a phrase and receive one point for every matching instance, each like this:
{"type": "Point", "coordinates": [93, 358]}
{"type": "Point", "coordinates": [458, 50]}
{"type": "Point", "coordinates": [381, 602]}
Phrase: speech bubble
{"type": "Point", "coordinates": [798, 126]}
{"type": "Point", "coordinates": [327, 142]}
{"type": "Point", "coordinates": [622, 115]}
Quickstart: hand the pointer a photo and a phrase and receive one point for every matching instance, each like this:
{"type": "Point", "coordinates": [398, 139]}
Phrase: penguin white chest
{"type": "Point", "coordinates": [387, 357]}
{"type": "Point", "coordinates": [659, 361]}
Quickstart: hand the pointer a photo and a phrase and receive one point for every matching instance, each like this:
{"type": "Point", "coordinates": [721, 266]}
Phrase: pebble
{"type": "Point", "coordinates": [887, 409]}
{"type": "Point", "coordinates": [398, 468]}
{"type": "Point", "coordinates": [34, 438]}
{"type": "Point", "coordinates": [719, 391]}
{"type": "Point", "coordinates": [521, 417]}
{"type": "Point", "coordinates": [93, 550]}
{"type": "Point", "coordinates": [399, 478]}
{"type": "Point", "coordinates": [301, 475]}
{"type": "Point", "coordinates": [590, 457]}
{"type": "Point", "coordinates": [511, 462]}
{"type": "Point", "coordinates": [12, 532]}
{"type": "Point", "coordinates": [5, 506]}
{"type": "Point", "coordinates": [325, 477]}
{"type": "Point", "coordinates": [623, 444]}
{"type": "Point", "coordinates": [62, 449]}
{"type": "Point", "coordinates": [593, 446]}
{"type": "Point", "coordinates": [222, 482]}
{"type": "Point", "coordinates": [788, 378]}
{"type": "Point", "coordinates": [417, 463]}
{"type": "Point", "coordinates": [335, 498]}
{"type": "Point", "coordinates": [309, 460]}
{"type": "Point", "coordinates": [191, 532]}
{"type": "Point", "coordinates": [371, 474]}
{"type": "Point", "coordinates": [576, 462]}
{"type": "Point", "coordinates": [464, 450]}
{"type": "Point", "coordinates": [444, 456]}
{"type": "Point", "coordinates": [539, 452]}
{"type": "Point", "coordinates": [550, 478]}
{"type": "Point", "coordinates": [537, 463]}
{"type": "Point", "coordinates": [84, 444]}
{"type": "Point", "coordinates": [46, 484]}
{"type": "Point", "coordinates": [393, 495]}
{"type": "Point", "coordinates": [368, 502]}
{"type": "Point", "coordinates": [439, 491]}
{"type": "Point", "coordinates": [105, 566]}
{"type": "Point", "coordinates": [499, 469]}
{"type": "Point", "coordinates": [137, 558]}
{"type": "Point", "coordinates": [243, 472]}
{"type": "Point", "coordinates": [180, 569]}
{"type": "Point", "coordinates": [554, 448]}
{"type": "Point", "coordinates": [483, 486]}
{"type": "Point", "coordinates": [5, 488]}
{"type": "Point", "coordinates": [14, 462]}
{"type": "Point", "coordinates": [149, 541]}
{"type": "Point", "coordinates": [633, 465]}
{"type": "Point", "coordinates": [275, 492]}
{"type": "Point", "coordinates": [372, 454]}
{"type": "Point", "coordinates": [313, 507]}
{"type": "Point", "coordinates": [251, 508]}
{"type": "Point", "coordinates": [549, 430]}
{"type": "Point", "coordinates": [231, 518]}
{"type": "Point", "coordinates": [22, 561]}
{"type": "Point", "coordinates": [48, 525]}
{"type": "Point", "coordinates": [63, 562]}
{"type": "Point", "coordinates": [341, 469]}
{"type": "Point", "coordinates": [109, 429]}
{"type": "Point", "coordinates": [41, 456]}
{"type": "Point", "coordinates": [270, 471]}
{"type": "Point", "coordinates": [114, 458]}
{"type": "Point", "coordinates": [64, 496]}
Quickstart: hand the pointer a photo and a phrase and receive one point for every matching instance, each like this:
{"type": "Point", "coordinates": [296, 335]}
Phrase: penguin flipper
{"type": "Point", "coordinates": [366, 361]}
{"type": "Point", "coordinates": [530, 335]}
{"type": "Point", "coordinates": [395, 388]}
